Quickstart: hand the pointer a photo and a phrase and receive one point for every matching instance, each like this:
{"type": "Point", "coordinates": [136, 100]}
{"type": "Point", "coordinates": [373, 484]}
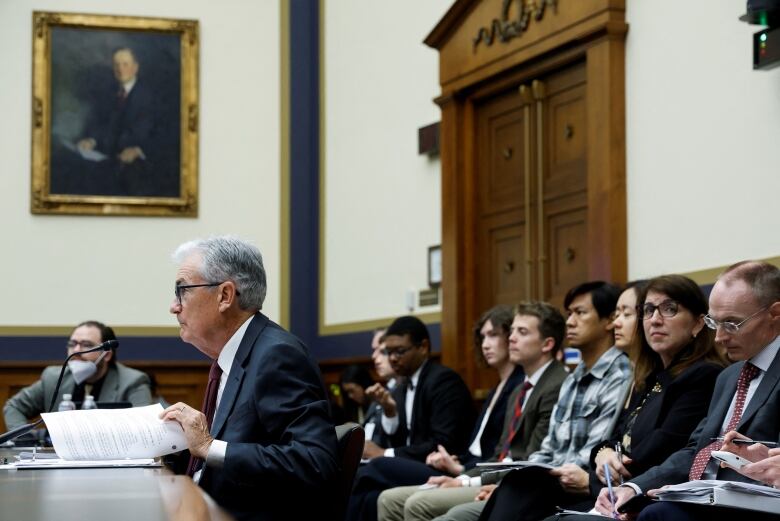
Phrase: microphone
{"type": "Point", "coordinates": [108, 345]}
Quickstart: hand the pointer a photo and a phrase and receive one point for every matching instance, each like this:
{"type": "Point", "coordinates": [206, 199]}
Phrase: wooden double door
{"type": "Point", "coordinates": [530, 180]}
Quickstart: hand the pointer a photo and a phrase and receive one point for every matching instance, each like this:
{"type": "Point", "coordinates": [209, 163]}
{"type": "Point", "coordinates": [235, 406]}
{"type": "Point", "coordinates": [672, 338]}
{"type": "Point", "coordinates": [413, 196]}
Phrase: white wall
{"type": "Point", "coordinates": [58, 270]}
{"type": "Point", "coordinates": [702, 127]}
{"type": "Point", "coordinates": [382, 206]}
{"type": "Point", "coordinates": [702, 137]}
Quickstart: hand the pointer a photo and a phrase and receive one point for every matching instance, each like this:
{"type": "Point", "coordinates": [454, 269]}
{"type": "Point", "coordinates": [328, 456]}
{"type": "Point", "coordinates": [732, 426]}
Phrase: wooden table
{"type": "Point", "coordinates": [112, 494]}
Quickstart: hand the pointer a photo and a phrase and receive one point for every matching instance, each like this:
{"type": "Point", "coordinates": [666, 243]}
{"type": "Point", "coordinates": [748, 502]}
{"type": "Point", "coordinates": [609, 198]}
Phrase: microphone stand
{"type": "Point", "coordinates": [24, 429]}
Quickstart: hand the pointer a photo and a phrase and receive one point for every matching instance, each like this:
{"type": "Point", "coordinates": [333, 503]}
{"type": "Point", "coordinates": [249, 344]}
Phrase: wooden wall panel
{"type": "Point", "coordinates": [176, 381]}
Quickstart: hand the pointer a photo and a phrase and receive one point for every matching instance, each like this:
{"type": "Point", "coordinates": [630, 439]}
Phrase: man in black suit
{"type": "Point", "coordinates": [266, 430]}
{"type": "Point", "coordinates": [430, 406]}
{"type": "Point", "coordinates": [745, 313]}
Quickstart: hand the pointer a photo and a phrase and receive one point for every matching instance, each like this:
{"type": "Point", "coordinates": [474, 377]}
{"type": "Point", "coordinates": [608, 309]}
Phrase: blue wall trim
{"type": "Point", "coordinates": [305, 192]}
{"type": "Point", "coordinates": [130, 348]}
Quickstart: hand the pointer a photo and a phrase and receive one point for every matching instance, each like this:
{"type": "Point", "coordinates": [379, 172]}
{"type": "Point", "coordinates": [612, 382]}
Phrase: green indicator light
{"type": "Point", "coordinates": [763, 37]}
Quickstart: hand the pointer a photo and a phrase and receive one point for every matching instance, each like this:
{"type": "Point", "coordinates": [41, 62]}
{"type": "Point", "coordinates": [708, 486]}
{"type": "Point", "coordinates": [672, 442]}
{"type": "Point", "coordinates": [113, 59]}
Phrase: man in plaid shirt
{"type": "Point", "coordinates": [587, 402]}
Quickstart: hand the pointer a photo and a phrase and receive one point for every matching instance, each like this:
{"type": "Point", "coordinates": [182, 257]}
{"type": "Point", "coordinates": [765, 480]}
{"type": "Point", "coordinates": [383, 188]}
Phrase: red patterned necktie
{"type": "Point", "coordinates": [748, 373]}
{"type": "Point", "coordinates": [209, 408]}
{"type": "Point", "coordinates": [515, 423]}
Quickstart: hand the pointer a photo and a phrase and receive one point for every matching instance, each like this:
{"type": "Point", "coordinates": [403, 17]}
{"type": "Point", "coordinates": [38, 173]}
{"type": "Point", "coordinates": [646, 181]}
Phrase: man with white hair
{"type": "Point", "coordinates": [265, 428]}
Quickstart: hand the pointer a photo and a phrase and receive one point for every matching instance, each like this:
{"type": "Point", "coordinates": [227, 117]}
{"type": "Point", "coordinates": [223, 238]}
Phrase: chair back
{"type": "Point", "coordinates": [351, 438]}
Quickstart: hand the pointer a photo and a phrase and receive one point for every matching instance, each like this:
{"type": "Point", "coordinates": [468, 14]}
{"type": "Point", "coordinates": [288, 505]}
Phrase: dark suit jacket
{"type": "Point", "coordinates": [275, 419]}
{"type": "Point", "coordinates": [760, 421]}
{"type": "Point", "coordinates": [666, 420]}
{"type": "Point", "coordinates": [116, 126]}
{"type": "Point", "coordinates": [442, 413]}
{"type": "Point", "coordinates": [496, 421]}
{"type": "Point", "coordinates": [535, 420]}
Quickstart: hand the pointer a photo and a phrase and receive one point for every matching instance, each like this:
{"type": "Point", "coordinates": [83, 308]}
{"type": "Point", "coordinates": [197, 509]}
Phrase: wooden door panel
{"type": "Point", "coordinates": [507, 251]}
{"type": "Point", "coordinates": [500, 154]}
{"type": "Point", "coordinates": [567, 235]}
{"type": "Point", "coordinates": [565, 139]}
{"type": "Point", "coordinates": [501, 260]}
{"type": "Point", "coordinates": [567, 130]}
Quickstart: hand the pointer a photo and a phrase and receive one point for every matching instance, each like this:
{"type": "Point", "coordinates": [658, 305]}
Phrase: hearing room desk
{"type": "Point", "coordinates": [115, 494]}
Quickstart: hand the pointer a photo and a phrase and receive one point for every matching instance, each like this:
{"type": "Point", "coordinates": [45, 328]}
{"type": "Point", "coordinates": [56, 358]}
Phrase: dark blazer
{"type": "Point", "coordinates": [118, 125]}
{"type": "Point", "coordinates": [535, 420]}
{"type": "Point", "coordinates": [496, 420]}
{"type": "Point", "coordinates": [442, 413]}
{"type": "Point", "coordinates": [275, 419]}
{"type": "Point", "coordinates": [760, 421]}
{"type": "Point", "coordinates": [667, 418]}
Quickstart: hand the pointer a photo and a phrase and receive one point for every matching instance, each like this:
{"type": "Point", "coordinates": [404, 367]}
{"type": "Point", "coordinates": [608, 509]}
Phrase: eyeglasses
{"type": "Point", "coordinates": [729, 327]}
{"type": "Point", "coordinates": [86, 344]}
{"type": "Point", "coordinates": [667, 308]}
{"type": "Point", "coordinates": [179, 289]}
{"type": "Point", "coordinates": [397, 353]}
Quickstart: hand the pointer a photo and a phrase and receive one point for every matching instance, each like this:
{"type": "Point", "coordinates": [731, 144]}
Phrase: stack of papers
{"type": "Point", "coordinates": [734, 494]}
{"type": "Point", "coordinates": [513, 465]}
{"type": "Point", "coordinates": [130, 437]}
{"type": "Point", "coordinates": [60, 463]}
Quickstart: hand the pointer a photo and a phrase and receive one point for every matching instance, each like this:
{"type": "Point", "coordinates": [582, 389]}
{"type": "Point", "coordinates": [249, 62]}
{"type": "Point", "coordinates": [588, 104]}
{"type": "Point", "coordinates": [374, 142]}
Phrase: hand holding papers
{"type": "Point", "coordinates": [113, 434]}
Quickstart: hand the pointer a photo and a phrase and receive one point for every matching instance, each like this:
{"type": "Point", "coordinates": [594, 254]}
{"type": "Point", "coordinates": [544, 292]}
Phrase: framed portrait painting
{"type": "Point", "coordinates": [114, 115]}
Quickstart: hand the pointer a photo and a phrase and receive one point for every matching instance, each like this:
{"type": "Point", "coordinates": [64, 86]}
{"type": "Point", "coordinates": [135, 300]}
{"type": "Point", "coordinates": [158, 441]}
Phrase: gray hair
{"type": "Point", "coordinates": [762, 278]}
{"type": "Point", "coordinates": [229, 258]}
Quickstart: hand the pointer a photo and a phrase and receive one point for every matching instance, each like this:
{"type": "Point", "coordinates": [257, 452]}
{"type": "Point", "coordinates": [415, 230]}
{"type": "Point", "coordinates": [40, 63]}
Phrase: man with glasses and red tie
{"type": "Point", "coordinates": [745, 313]}
{"type": "Point", "coordinates": [110, 381]}
{"type": "Point", "coordinates": [264, 432]}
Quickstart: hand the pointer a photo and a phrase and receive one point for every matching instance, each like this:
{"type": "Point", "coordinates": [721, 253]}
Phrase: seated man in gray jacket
{"type": "Point", "coordinates": [112, 382]}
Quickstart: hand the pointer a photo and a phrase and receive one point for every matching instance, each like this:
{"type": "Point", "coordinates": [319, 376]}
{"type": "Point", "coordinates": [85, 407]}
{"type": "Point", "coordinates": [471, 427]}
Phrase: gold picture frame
{"type": "Point", "coordinates": [114, 115]}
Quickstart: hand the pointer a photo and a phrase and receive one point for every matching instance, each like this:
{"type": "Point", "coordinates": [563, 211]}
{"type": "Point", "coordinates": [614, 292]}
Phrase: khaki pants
{"type": "Point", "coordinates": [413, 504]}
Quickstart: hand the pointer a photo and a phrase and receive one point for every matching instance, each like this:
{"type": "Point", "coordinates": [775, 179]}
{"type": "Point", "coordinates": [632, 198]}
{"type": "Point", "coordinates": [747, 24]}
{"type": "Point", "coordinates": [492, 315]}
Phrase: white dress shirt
{"type": "Point", "coordinates": [390, 425]}
{"type": "Point", "coordinates": [218, 448]}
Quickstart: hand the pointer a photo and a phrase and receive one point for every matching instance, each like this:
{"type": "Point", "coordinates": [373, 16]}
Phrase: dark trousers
{"type": "Point", "coordinates": [380, 474]}
{"type": "Point", "coordinates": [530, 494]}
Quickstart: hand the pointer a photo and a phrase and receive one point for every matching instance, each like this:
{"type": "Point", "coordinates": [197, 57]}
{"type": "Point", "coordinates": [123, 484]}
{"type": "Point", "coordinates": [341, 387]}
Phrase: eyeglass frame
{"type": "Point", "coordinates": [178, 287]}
{"type": "Point", "coordinates": [727, 325]}
{"type": "Point", "coordinates": [655, 308]}
{"type": "Point", "coordinates": [86, 344]}
{"type": "Point", "coordinates": [397, 353]}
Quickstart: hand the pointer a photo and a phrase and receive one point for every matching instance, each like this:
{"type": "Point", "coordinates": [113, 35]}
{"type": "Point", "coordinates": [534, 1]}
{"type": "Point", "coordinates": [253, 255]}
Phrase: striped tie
{"type": "Point", "coordinates": [515, 423]}
{"type": "Point", "coordinates": [748, 373]}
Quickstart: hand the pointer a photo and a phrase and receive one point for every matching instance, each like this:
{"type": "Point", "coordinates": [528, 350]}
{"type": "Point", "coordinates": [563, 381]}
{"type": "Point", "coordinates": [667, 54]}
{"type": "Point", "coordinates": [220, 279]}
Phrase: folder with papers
{"type": "Point", "coordinates": [734, 494]}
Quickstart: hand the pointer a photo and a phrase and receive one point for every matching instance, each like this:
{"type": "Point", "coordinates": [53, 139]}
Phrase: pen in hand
{"type": "Point", "coordinates": [740, 441]}
{"type": "Point", "coordinates": [619, 452]}
{"type": "Point", "coordinates": [609, 489]}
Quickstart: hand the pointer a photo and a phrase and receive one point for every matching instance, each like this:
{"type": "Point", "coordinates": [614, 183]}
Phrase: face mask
{"type": "Point", "coordinates": [82, 369]}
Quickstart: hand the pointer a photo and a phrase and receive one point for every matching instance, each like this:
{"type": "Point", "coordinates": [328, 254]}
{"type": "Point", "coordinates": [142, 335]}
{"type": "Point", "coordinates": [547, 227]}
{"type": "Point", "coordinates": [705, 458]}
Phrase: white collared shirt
{"type": "Point", "coordinates": [129, 86]}
{"type": "Point", "coordinates": [762, 360]}
{"type": "Point", "coordinates": [534, 379]}
{"type": "Point", "coordinates": [390, 425]}
{"type": "Point", "coordinates": [218, 448]}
